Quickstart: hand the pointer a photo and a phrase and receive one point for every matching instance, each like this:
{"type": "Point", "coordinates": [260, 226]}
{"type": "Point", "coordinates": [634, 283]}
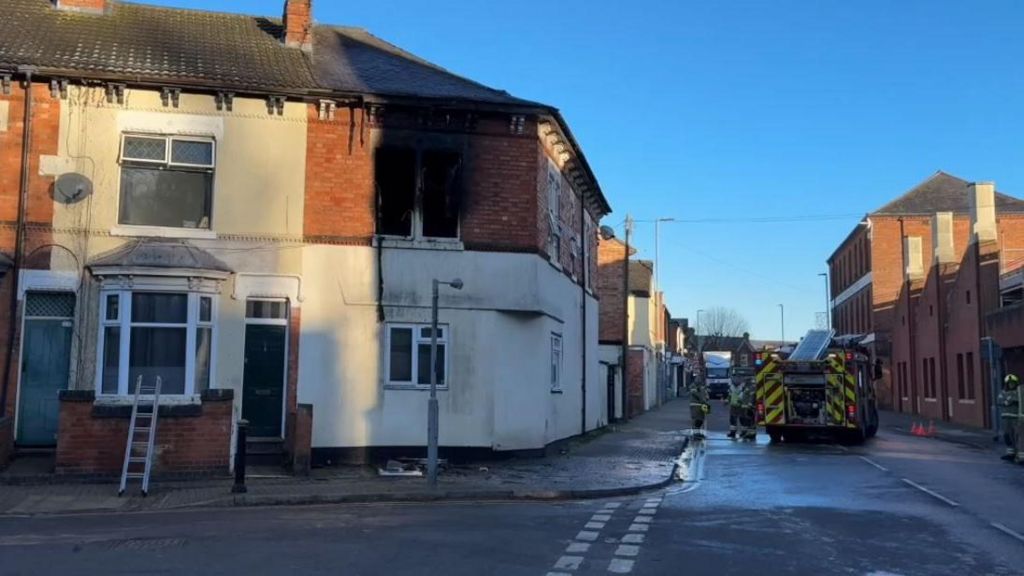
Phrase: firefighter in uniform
{"type": "Point", "coordinates": [735, 407]}
{"type": "Point", "coordinates": [699, 407]}
{"type": "Point", "coordinates": [748, 427]}
{"type": "Point", "coordinates": [1009, 412]}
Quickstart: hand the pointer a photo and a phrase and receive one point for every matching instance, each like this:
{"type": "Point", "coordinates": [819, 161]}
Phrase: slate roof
{"type": "Point", "coordinates": [152, 43]}
{"type": "Point", "coordinates": [943, 192]}
{"type": "Point", "coordinates": [160, 254]}
{"type": "Point", "coordinates": [353, 60]}
{"type": "Point", "coordinates": [214, 49]}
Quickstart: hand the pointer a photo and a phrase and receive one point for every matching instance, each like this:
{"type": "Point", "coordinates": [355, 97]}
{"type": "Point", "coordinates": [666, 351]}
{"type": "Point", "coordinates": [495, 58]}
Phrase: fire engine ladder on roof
{"type": "Point", "coordinates": [138, 451]}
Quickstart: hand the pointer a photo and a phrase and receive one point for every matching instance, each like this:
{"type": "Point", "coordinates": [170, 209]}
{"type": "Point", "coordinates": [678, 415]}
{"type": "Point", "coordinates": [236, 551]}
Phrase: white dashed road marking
{"type": "Point", "coordinates": [586, 536]}
{"type": "Point", "coordinates": [643, 519]}
{"type": "Point", "coordinates": [594, 525]}
{"type": "Point", "coordinates": [647, 511]}
{"type": "Point", "coordinates": [627, 550]}
{"type": "Point", "coordinates": [601, 517]}
{"type": "Point", "coordinates": [1009, 532]}
{"type": "Point", "coordinates": [875, 464]}
{"type": "Point", "coordinates": [931, 493]}
{"type": "Point", "coordinates": [577, 548]}
{"type": "Point", "coordinates": [633, 539]}
{"type": "Point", "coordinates": [638, 527]}
{"type": "Point", "coordinates": [569, 562]}
{"type": "Point", "coordinates": [620, 566]}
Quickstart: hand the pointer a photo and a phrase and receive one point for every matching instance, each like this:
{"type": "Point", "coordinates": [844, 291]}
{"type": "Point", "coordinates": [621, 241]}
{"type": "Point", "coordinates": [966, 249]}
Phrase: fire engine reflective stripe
{"type": "Point", "coordinates": [775, 395]}
{"type": "Point", "coordinates": [768, 369]}
{"type": "Point", "coordinates": [835, 401]}
{"type": "Point", "coordinates": [775, 416]}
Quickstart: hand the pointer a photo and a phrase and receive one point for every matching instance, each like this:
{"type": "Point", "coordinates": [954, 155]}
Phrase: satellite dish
{"type": "Point", "coordinates": [71, 188]}
{"type": "Point", "coordinates": [607, 232]}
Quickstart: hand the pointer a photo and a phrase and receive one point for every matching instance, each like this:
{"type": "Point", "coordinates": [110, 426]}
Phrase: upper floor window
{"type": "Point", "coordinates": [419, 192]}
{"type": "Point", "coordinates": [166, 181]}
{"type": "Point", "coordinates": [556, 362]}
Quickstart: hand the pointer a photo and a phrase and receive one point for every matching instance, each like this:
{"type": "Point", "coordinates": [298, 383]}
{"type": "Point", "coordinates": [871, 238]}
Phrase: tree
{"type": "Point", "coordinates": [719, 323]}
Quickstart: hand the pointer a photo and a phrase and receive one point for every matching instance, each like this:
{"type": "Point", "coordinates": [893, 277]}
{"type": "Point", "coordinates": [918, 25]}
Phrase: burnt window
{"type": "Point", "coordinates": [395, 170]}
{"type": "Point", "coordinates": [442, 190]}
{"type": "Point", "coordinates": [419, 192]}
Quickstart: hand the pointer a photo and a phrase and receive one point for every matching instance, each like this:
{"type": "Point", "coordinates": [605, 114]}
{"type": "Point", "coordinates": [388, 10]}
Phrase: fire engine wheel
{"type": "Point", "coordinates": [775, 435]}
{"type": "Point", "coordinates": [853, 437]}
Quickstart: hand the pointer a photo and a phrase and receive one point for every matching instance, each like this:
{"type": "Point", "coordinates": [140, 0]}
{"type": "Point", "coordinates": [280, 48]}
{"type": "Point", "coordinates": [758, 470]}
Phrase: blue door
{"type": "Point", "coordinates": [45, 363]}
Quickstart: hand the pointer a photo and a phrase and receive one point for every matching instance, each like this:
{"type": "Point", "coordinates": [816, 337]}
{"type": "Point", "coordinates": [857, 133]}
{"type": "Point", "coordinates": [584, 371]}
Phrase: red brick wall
{"type": "Point", "coordinates": [635, 383]}
{"type": "Point", "coordinates": [39, 209]}
{"type": "Point", "coordinates": [927, 349]}
{"type": "Point", "coordinates": [610, 255]}
{"type": "Point", "coordinates": [89, 444]}
{"type": "Point", "coordinates": [500, 207]}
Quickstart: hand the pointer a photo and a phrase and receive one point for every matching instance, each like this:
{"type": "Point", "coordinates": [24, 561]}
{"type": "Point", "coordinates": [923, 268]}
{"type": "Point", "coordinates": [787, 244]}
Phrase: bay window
{"type": "Point", "coordinates": [152, 334]}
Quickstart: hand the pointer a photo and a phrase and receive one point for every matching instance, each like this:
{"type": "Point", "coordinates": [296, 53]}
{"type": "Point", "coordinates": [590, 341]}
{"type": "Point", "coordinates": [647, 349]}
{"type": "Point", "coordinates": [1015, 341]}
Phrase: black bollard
{"type": "Point", "coordinates": [240, 441]}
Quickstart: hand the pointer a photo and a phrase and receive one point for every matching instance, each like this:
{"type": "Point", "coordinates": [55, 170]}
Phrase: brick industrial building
{"type": "Point", "coordinates": [254, 209]}
{"type": "Point", "coordinates": [920, 253]}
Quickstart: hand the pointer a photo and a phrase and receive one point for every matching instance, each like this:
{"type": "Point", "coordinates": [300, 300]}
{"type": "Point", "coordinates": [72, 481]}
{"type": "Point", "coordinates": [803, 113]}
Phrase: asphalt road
{"type": "Point", "coordinates": [897, 506]}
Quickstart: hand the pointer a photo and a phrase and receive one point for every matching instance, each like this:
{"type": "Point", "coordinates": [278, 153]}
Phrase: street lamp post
{"type": "Point", "coordinates": [828, 301]}
{"type": "Point", "coordinates": [782, 320]}
{"type": "Point", "coordinates": [700, 347]}
{"type": "Point", "coordinates": [432, 411]}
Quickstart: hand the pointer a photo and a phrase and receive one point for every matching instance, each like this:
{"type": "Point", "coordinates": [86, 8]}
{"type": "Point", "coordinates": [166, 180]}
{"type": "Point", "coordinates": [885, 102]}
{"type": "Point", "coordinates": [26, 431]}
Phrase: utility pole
{"type": "Point", "coordinates": [625, 316]}
{"type": "Point", "coordinates": [432, 410]}
{"type": "Point", "coordinates": [828, 301]}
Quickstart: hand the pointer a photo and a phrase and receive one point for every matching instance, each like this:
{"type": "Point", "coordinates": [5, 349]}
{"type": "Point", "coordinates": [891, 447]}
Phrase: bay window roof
{"type": "Point", "coordinates": [160, 257]}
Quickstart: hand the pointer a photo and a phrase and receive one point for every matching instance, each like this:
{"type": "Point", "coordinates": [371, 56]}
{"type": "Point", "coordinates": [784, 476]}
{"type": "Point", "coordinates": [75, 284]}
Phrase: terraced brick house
{"type": "Point", "coordinates": [253, 211]}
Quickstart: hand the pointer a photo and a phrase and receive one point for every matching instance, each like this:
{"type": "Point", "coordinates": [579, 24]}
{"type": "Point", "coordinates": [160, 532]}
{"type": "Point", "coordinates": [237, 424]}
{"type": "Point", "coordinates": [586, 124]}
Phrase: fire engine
{"type": "Point", "coordinates": [825, 387]}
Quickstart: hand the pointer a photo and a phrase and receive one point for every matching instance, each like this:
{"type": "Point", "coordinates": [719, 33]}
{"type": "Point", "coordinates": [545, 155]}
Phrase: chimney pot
{"type": "Point", "coordinates": [298, 24]}
{"type": "Point", "coordinates": [89, 6]}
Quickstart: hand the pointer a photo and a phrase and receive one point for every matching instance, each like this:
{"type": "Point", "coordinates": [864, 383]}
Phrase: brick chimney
{"type": "Point", "coordinates": [983, 211]}
{"type": "Point", "coordinates": [298, 24]}
{"type": "Point", "coordinates": [942, 238]}
{"type": "Point", "coordinates": [914, 254]}
{"type": "Point", "coordinates": [92, 6]}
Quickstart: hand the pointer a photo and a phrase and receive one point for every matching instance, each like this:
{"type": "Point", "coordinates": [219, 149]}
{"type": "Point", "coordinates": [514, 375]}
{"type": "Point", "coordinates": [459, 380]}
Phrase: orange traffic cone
{"type": "Point", "coordinates": [916, 429]}
{"type": "Point", "coordinates": [931, 428]}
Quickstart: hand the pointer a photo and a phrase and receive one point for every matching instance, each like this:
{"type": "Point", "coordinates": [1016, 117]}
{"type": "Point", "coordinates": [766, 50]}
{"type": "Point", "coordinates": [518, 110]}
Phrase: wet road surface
{"type": "Point", "coordinates": [896, 506]}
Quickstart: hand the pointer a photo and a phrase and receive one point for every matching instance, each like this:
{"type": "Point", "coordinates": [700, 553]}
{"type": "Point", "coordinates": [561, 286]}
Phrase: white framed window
{"type": "Point", "coordinates": [166, 181]}
{"type": "Point", "coordinates": [554, 190]}
{"type": "Point", "coordinates": [556, 362]}
{"type": "Point", "coordinates": [408, 355]}
{"type": "Point", "coordinates": [155, 333]}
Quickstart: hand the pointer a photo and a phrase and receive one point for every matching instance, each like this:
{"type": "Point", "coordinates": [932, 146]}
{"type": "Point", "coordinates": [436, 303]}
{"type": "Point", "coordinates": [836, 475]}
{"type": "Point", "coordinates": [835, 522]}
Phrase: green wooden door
{"type": "Point", "coordinates": [45, 358]}
{"type": "Point", "coordinates": [264, 378]}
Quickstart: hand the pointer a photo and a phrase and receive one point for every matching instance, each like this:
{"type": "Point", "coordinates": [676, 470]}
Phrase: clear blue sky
{"type": "Point", "coordinates": [740, 109]}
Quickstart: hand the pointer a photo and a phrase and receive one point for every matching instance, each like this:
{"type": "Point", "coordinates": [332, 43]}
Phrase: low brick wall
{"type": "Point", "coordinates": [299, 439]}
{"type": "Point", "coordinates": [6, 440]}
{"type": "Point", "coordinates": [190, 439]}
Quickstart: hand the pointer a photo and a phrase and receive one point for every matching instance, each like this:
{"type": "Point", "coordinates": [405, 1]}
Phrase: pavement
{"type": "Point", "coordinates": [896, 506]}
{"type": "Point", "coordinates": [637, 456]}
{"type": "Point", "coordinates": [979, 438]}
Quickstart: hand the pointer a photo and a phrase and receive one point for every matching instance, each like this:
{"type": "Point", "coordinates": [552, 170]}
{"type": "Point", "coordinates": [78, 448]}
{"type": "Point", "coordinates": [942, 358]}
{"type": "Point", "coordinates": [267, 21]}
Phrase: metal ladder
{"type": "Point", "coordinates": [140, 452]}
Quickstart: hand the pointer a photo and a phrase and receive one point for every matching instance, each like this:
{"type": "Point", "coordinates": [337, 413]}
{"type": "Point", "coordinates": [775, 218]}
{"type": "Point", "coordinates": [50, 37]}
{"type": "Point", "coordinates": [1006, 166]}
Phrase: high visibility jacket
{"type": "Point", "coordinates": [698, 396]}
{"type": "Point", "coordinates": [735, 396]}
{"type": "Point", "coordinates": [1009, 402]}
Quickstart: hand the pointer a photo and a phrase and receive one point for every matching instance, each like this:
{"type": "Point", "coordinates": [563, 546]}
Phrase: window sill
{"type": "Point", "coordinates": [931, 400]}
{"type": "Point", "coordinates": [557, 391]}
{"type": "Point", "coordinates": [163, 232]}
{"type": "Point", "coordinates": [452, 244]}
{"type": "Point", "coordinates": [971, 402]}
{"type": "Point", "coordinates": [414, 387]}
{"type": "Point", "coordinates": [165, 399]}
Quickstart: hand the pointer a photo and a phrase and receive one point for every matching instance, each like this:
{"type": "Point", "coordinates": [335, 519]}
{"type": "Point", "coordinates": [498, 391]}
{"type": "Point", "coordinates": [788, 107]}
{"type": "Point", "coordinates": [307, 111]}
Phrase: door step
{"type": "Point", "coordinates": [264, 452]}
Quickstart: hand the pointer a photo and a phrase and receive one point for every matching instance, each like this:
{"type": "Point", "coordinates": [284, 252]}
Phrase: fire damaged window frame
{"type": "Point", "coordinates": [418, 224]}
{"type": "Point", "coordinates": [123, 228]}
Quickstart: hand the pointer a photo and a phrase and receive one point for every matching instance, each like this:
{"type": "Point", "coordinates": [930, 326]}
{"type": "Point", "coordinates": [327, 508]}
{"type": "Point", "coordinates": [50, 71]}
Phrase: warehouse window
{"type": "Point", "coordinates": [166, 181]}
{"type": "Point", "coordinates": [960, 388]}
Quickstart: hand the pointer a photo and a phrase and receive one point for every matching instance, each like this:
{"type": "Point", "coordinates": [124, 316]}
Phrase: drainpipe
{"type": "Point", "coordinates": [624, 392]}
{"type": "Point", "coordinates": [583, 317]}
{"type": "Point", "coordinates": [19, 235]}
